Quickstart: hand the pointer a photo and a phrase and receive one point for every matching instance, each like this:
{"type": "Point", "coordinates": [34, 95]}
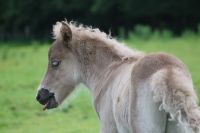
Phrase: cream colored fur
{"type": "Point", "coordinates": [132, 92]}
{"type": "Point", "coordinates": [81, 32]}
{"type": "Point", "coordinates": [180, 101]}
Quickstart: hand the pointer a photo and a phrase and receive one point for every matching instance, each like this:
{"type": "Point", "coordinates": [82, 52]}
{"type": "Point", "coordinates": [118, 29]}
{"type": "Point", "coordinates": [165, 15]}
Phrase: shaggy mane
{"type": "Point", "coordinates": [81, 32]}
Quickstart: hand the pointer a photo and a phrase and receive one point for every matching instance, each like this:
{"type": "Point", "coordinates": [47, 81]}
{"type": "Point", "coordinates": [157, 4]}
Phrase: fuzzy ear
{"type": "Point", "coordinates": [65, 32]}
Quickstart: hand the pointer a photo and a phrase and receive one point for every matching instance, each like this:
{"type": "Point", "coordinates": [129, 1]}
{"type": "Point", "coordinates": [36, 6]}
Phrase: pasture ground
{"type": "Point", "coordinates": [22, 67]}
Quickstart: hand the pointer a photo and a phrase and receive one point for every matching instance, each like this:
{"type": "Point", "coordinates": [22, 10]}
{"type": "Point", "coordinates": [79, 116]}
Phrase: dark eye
{"type": "Point", "coordinates": [55, 63]}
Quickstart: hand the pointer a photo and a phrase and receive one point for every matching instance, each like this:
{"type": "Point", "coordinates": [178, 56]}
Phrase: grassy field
{"type": "Point", "coordinates": [22, 68]}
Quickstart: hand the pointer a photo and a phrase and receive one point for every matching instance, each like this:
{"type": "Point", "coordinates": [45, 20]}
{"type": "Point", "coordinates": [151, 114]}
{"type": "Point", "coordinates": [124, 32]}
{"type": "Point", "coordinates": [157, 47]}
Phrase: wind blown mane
{"type": "Point", "coordinates": [81, 32]}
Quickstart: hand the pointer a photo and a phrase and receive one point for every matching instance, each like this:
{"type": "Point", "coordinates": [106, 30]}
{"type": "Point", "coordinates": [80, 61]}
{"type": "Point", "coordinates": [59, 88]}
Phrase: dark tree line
{"type": "Point", "coordinates": [34, 18]}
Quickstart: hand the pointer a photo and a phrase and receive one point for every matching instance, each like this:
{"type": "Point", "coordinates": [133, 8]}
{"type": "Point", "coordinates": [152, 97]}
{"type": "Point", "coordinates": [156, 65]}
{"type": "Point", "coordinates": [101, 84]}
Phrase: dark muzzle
{"type": "Point", "coordinates": [46, 98]}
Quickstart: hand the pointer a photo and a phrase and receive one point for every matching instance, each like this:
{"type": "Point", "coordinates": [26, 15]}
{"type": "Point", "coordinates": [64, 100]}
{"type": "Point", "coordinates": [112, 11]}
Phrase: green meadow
{"type": "Point", "coordinates": [22, 67]}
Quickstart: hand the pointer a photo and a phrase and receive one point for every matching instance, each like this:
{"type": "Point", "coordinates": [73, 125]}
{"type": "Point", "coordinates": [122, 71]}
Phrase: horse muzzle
{"type": "Point", "coordinates": [47, 99]}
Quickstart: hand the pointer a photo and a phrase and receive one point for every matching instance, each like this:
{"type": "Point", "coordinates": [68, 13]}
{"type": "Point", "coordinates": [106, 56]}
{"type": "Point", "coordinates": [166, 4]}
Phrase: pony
{"type": "Point", "coordinates": [132, 92]}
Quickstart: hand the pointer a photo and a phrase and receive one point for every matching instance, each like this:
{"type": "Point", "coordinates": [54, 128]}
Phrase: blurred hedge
{"type": "Point", "coordinates": [34, 18]}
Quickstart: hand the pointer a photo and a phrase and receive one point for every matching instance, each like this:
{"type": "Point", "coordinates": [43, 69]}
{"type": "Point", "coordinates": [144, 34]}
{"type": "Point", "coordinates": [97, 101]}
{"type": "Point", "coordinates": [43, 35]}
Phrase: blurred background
{"type": "Point", "coordinates": [171, 26]}
{"type": "Point", "coordinates": [33, 19]}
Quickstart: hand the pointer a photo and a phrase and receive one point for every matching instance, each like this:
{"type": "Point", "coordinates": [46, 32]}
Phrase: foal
{"type": "Point", "coordinates": [132, 92]}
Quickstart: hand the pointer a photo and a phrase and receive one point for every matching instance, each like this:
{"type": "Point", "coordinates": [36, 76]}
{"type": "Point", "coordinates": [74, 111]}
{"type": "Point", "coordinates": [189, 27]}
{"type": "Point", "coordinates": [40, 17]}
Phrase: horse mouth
{"type": "Point", "coordinates": [50, 103]}
{"type": "Point", "coordinates": [47, 99]}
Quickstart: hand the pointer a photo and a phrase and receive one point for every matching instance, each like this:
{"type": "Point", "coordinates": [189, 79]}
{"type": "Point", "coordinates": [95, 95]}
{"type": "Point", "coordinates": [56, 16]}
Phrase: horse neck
{"type": "Point", "coordinates": [94, 58]}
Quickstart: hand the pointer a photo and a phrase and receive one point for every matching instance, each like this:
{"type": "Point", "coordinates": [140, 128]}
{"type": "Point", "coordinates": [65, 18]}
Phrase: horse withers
{"type": "Point", "coordinates": [132, 92]}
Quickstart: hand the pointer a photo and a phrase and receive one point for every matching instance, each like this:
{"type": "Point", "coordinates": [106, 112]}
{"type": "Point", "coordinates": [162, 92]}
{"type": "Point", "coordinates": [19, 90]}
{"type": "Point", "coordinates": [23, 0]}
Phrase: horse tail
{"type": "Point", "coordinates": [173, 88]}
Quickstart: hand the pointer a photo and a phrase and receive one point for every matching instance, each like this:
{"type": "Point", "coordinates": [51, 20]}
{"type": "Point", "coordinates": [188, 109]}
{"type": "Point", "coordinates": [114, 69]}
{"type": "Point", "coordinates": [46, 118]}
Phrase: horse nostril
{"type": "Point", "coordinates": [43, 91]}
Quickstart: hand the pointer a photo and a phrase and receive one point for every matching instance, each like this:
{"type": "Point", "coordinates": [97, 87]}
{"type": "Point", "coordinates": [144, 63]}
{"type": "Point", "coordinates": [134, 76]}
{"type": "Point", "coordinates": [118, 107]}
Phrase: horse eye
{"type": "Point", "coordinates": [55, 63]}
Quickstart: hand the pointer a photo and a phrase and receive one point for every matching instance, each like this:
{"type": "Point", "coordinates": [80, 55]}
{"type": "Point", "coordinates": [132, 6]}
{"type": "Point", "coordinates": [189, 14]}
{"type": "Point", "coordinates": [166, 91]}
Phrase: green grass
{"type": "Point", "coordinates": [22, 67]}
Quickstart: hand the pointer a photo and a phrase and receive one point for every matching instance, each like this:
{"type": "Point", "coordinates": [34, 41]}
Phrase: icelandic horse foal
{"type": "Point", "coordinates": [132, 92]}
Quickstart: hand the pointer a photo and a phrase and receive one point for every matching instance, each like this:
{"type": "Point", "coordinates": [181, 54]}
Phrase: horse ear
{"type": "Point", "coordinates": [66, 32]}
